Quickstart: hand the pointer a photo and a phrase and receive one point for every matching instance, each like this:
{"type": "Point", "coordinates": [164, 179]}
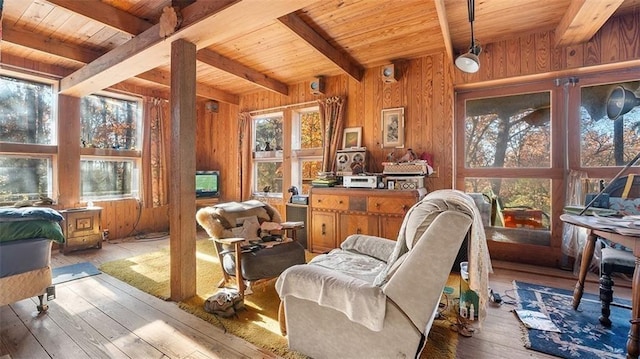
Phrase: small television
{"type": "Point", "coordinates": [207, 184]}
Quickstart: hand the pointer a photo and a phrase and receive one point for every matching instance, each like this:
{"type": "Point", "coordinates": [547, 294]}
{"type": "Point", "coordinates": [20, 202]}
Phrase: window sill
{"type": "Point", "coordinates": [267, 154]}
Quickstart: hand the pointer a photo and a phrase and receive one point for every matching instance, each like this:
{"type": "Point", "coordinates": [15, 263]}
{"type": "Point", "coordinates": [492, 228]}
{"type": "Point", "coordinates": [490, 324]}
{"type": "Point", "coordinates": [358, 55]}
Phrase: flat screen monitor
{"type": "Point", "coordinates": [207, 183]}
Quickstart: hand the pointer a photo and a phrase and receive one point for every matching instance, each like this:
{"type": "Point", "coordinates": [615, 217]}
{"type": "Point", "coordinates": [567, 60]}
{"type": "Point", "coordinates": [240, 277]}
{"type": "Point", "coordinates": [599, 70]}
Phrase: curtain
{"type": "Point", "coordinates": [158, 161]}
{"type": "Point", "coordinates": [244, 156]}
{"type": "Point", "coordinates": [574, 237]}
{"type": "Point", "coordinates": [332, 120]}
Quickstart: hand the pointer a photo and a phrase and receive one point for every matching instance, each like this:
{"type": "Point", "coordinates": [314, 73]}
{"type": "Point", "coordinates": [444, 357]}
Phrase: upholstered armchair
{"type": "Point", "coordinates": [376, 297]}
{"type": "Point", "coordinates": [243, 233]}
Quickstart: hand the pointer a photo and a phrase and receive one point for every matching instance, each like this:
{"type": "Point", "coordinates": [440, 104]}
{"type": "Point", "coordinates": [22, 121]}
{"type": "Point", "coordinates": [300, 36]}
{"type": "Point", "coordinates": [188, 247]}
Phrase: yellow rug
{"type": "Point", "coordinates": [257, 324]}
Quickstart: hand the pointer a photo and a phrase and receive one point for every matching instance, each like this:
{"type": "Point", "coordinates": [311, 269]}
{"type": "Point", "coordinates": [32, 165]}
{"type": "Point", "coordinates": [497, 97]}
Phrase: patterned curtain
{"type": "Point", "coordinates": [332, 120]}
{"type": "Point", "coordinates": [244, 155]}
{"type": "Point", "coordinates": [158, 156]}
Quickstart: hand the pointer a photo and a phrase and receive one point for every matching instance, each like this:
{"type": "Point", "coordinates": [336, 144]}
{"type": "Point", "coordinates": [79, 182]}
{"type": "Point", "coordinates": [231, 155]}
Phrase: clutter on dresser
{"type": "Point", "coordinates": [351, 161]}
{"type": "Point", "coordinates": [325, 179]}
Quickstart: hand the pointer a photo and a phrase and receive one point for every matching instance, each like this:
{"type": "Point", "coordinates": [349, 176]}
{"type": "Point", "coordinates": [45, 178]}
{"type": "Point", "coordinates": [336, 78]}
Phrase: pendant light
{"type": "Point", "coordinates": [469, 62]}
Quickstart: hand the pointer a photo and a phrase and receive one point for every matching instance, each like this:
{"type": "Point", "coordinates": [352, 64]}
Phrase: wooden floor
{"type": "Point", "coordinates": [101, 317]}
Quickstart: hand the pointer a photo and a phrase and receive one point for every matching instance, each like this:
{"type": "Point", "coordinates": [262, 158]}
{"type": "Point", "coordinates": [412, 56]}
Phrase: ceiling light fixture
{"type": "Point", "coordinates": [469, 61]}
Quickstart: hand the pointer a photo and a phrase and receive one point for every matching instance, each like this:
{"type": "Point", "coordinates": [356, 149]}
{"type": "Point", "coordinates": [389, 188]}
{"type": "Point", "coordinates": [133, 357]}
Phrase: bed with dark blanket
{"type": "Point", "coordinates": [26, 235]}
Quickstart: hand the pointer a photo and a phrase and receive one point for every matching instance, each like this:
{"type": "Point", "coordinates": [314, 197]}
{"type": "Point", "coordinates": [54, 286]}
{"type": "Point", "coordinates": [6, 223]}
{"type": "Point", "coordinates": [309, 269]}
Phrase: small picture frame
{"type": "Point", "coordinates": [352, 137]}
{"type": "Point", "coordinates": [393, 127]}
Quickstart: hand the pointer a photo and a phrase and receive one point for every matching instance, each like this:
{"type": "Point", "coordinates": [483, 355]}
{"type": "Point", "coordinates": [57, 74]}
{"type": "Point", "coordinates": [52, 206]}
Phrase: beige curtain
{"type": "Point", "coordinates": [332, 120]}
{"type": "Point", "coordinates": [158, 160]}
{"type": "Point", "coordinates": [244, 155]}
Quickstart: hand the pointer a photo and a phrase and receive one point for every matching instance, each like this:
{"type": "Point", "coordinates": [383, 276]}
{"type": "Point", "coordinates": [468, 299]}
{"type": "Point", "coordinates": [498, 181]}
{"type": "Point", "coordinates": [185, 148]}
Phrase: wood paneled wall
{"type": "Point", "coordinates": [616, 45]}
{"type": "Point", "coordinates": [425, 90]}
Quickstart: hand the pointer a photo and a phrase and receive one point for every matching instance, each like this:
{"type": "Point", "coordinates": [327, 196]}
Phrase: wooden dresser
{"type": "Point", "coordinates": [339, 212]}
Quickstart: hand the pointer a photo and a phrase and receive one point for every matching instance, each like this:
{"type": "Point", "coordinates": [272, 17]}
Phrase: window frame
{"type": "Point", "coordinates": [276, 155]}
{"type": "Point", "coordinates": [299, 155]}
{"type": "Point", "coordinates": [30, 150]}
{"type": "Point", "coordinates": [107, 154]}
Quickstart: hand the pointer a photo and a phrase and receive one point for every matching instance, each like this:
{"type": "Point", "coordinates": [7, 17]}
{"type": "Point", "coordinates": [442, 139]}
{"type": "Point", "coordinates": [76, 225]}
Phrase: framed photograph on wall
{"type": "Point", "coordinates": [393, 127]}
{"type": "Point", "coordinates": [352, 137]}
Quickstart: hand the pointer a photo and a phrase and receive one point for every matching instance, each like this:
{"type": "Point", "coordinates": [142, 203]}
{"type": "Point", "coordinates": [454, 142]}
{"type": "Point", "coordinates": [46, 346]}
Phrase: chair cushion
{"type": "Point", "coordinates": [266, 262]}
{"type": "Point", "coordinates": [618, 257]}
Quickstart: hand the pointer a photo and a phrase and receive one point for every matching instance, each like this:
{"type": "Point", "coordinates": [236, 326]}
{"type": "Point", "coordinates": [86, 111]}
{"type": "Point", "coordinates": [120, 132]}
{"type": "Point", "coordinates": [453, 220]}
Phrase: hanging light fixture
{"type": "Point", "coordinates": [620, 102]}
{"type": "Point", "coordinates": [469, 62]}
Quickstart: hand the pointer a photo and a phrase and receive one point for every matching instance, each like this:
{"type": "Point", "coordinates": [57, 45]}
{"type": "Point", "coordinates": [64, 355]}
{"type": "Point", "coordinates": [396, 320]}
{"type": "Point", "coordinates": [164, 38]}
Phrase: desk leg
{"type": "Point", "coordinates": [585, 262]}
{"type": "Point", "coordinates": [634, 331]}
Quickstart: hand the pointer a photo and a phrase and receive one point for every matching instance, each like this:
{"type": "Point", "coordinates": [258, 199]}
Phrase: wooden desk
{"type": "Point", "coordinates": [594, 230]}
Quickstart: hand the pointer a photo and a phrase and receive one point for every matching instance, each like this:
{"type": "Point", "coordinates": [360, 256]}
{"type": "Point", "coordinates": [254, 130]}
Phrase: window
{"type": "Point", "coordinates": [606, 142]}
{"type": "Point", "coordinates": [27, 138]}
{"type": "Point", "coordinates": [507, 156]}
{"type": "Point", "coordinates": [267, 163]}
{"type": "Point", "coordinates": [307, 148]}
{"type": "Point", "coordinates": [111, 134]}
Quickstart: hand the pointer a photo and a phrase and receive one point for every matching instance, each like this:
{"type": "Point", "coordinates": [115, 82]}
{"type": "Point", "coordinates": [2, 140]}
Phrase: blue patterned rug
{"type": "Point", "coordinates": [582, 335]}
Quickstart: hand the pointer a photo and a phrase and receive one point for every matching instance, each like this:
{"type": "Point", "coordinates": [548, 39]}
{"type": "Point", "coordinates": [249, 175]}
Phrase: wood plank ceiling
{"type": "Point", "coordinates": [248, 45]}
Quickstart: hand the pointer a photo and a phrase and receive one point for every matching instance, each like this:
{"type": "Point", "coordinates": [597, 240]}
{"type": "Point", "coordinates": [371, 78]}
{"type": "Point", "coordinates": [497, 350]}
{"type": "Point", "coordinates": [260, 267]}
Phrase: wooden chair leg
{"type": "Point", "coordinates": [281, 319]}
{"type": "Point", "coordinates": [606, 297]}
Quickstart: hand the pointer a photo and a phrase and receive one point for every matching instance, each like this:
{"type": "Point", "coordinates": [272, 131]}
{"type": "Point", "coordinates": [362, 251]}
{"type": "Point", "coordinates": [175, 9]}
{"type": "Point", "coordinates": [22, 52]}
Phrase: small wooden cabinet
{"type": "Point", "coordinates": [82, 228]}
{"type": "Point", "coordinates": [339, 212]}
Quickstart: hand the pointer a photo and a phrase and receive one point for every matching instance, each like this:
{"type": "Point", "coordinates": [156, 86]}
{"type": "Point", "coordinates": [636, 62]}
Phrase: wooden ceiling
{"type": "Point", "coordinates": [249, 45]}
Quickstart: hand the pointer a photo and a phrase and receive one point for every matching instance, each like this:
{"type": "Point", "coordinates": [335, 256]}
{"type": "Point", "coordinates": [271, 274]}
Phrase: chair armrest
{"type": "Point", "coordinates": [372, 246]}
{"type": "Point", "coordinates": [229, 241]}
{"type": "Point", "coordinates": [361, 301]}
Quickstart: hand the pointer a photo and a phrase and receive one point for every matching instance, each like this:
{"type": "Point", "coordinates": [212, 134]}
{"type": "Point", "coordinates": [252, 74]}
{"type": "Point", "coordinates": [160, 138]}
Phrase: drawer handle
{"type": "Point", "coordinates": [358, 231]}
{"type": "Point", "coordinates": [324, 229]}
{"type": "Point", "coordinates": [378, 205]}
{"type": "Point", "coordinates": [340, 201]}
{"type": "Point", "coordinates": [404, 207]}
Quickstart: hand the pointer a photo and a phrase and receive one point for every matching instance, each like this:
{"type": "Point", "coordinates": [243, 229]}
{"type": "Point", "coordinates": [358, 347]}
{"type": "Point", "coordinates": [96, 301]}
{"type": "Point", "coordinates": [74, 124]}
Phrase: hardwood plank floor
{"type": "Point", "coordinates": [102, 317]}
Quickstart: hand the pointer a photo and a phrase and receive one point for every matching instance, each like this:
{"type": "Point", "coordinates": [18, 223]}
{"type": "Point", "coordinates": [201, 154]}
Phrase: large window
{"type": "Point", "coordinates": [507, 160]}
{"type": "Point", "coordinates": [111, 135]}
{"type": "Point", "coordinates": [27, 138]}
{"type": "Point", "coordinates": [267, 165]}
{"type": "Point", "coordinates": [307, 148]}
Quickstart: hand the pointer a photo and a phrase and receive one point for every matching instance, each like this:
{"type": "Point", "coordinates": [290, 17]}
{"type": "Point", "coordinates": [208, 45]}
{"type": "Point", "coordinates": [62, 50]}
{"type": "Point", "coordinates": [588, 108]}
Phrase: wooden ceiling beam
{"type": "Point", "coordinates": [444, 27]}
{"type": "Point", "coordinates": [164, 78]}
{"type": "Point", "coordinates": [308, 34]}
{"type": "Point", "coordinates": [106, 14]}
{"type": "Point", "coordinates": [48, 45]}
{"type": "Point", "coordinates": [149, 50]}
{"type": "Point", "coordinates": [83, 55]}
{"type": "Point", "coordinates": [235, 68]}
{"type": "Point", "coordinates": [583, 19]}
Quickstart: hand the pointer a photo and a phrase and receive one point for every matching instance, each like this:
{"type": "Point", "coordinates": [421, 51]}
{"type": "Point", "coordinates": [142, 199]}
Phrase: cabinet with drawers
{"type": "Point", "coordinates": [339, 212]}
{"type": "Point", "coordinates": [82, 228]}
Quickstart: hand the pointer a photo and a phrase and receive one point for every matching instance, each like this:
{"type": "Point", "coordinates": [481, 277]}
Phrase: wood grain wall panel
{"type": "Point", "coordinates": [513, 57]}
{"type": "Point", "coordinates": [574, 56]}
{"type": "Point", "coordinates": [499, 58]}
{"type": "Point", "coordinates": [534, 54]}
{"type": "Point", "coordinates": [629, 34]}
{"type": "Point", "coordinates": [593, 50]}
{"type": "Point", "coordinates": [527, 54]}
{"type": "Point", "coordinates": [542, 53]}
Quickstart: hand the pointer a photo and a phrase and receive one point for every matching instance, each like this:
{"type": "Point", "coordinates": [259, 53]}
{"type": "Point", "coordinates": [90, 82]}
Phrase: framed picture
{"type": "Point", "coordinates": [352, 137]}
{"type": "Point", "coordinates": [393, 127]}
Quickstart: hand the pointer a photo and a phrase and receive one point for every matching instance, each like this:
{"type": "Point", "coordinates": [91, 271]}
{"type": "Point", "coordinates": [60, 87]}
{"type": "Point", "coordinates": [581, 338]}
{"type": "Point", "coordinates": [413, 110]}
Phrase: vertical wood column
{"type": "Point", "coordinates": [182, 195]}
{"type": "Point", "coordinates": [68, 151]}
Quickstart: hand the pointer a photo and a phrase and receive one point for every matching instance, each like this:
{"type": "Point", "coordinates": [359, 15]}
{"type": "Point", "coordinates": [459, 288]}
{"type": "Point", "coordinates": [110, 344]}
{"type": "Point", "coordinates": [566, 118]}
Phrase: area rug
{"type": "Point", "coordinates": [72, 272]}
{"type": "Point", "coordinates": [257, 324]}
{"type": "Point", "coordinates": [581, 334]}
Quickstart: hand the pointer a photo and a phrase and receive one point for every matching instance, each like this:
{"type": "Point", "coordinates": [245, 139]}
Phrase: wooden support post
{"type": "Point", "coordinates": [183, 167]}
{"type": "Point", "coordinates": [68, 151]}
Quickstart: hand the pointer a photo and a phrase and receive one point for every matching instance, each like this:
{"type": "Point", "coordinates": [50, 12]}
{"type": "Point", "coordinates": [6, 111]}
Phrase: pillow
{"type": "Point", "coordinates": [11, 231]}
{"type": "Point", "coordinates": [29, 213]}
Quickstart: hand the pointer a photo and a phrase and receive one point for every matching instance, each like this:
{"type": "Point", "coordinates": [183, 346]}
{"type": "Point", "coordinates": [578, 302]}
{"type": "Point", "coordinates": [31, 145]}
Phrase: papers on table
{"type": "Point", "coordinates": [627, 225]}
